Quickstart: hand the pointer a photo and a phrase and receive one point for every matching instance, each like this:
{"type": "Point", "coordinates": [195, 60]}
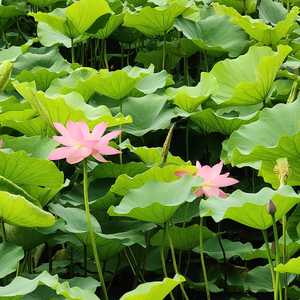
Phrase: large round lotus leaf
{"type": "Point", "coordinates": [62, 108]}
{"type": "Point", "coordinates": [157, 290]}
{"type": "Point", "coordinates": [269, 138]}
{"type": "Point", "coordinates": [157, 201]}
{"type": "Point", "coordinates": [256, 28]}
{"type": "Point", "coordinates": [153, 21]}
{"type": "Point", "coordinates": [118, 84]}
{"type": "Point", "coordinates": [292, 266]}
{"type": "Point", "coordinates": [124, 183]}
{"type": "Point", "coordinates": [189, 98]}
{"type": "Point", "coordinates": [214, 34]}
{"type": "Point", "coordinates": [76, 19]}
{"type": "Point", "coordinates": [23, 286]}
{"type": "Point", "coordinates": [10, 254]}
{"type": "Point", "coordinates": [10, 11]}
{"type": "Point", "coordinates": [42, 3]}
{"type": "Point", "coordinates": [27, 238]}
{"type": "Point", "coordinates": [224, 121]}
{"type": "Point", "coordinates": [16, 210]}
{"type": "Point", "coordinates": [250, 209]}
{"type": "Point", "coordinates": [151, 112]}
{"type": "Point", "coordinates": [247, 79]}
{"type": "Point", "coordinates": [113, 22]}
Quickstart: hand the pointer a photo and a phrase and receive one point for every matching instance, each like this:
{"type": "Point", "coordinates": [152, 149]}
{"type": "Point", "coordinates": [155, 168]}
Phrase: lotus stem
{"type": "Point", "coordinates": [72, 51]}
{"type": "Point", "coordinates": [174, 259]}
{"type": "Point", "coordinates": [164, 51]}
{"type": "Point", "coordinates": [105, 55]}
{"type": "Point", "coordinates": [264, 232]}
{"type": "Point", "coordinates": [202, 259]}
{"type": "Point", "coordinates": [120, 135]}
{"type": "Point", "coordinates": [278, 282]}
{"type": "Point", "coordinates": [284, 255]}
{"type": "Point", "coordinates": [91, 231]}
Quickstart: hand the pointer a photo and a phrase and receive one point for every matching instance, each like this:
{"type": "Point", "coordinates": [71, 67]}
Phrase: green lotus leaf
{"type": "Point", "coordinates": [250, 209]}
{"type": "Point", "coordinates": [182, 47]}
{"type": "Point", "coordinates": [42, 3]}
{"type": "Point", "coordinates": [16, 210]}
{"type": "Point", "coordinates": [112, 170]}
{"type": "Point", "coordinates": [100, 196]}
{"type": "Point", "coordinates": [157, 289]}
{"type": "Point", "coordinates": [186, 212]}
{"type": "Point", "coordinates": [8, 186]}
{"type": "Point", "coordinates": [155, 57]}
{"type": "Point", "coordinates": [118, 84]}
{"type": "Point", "coordinates": [156, 201]}
{"type": "Point", "coordinates": [293, 224]}
{"type": "Point", "coordinates": [73, 83]}
{"type": "Point", "coordinates": [10, 11]}
{"type": "Point", "coordinates": [247, 79]}
{"type": "Point", "coordinates": [37, 58]}
{"type": "Point", "coordinates": [43, 77]}
{"type": "Point", "coordinates": [153, 155]}
{"type": "Point", "coordinates": [113, 22]}
{"type": "Point", "coordinates": [182, 238]}
{"type": "Point", "coordinates": [214, 34]}
{"type": "Point", "coordinates": [232, 249]}
{"type": "Point", "coordinates": [126, 35]}
{"type": "Point", "coordinates": [11, 103]}
{"type": "Point", "coordinates": [75, 292]}
{"type": "Point", "coordinates": [26, 237]}
{"type": "Point", "coordinates": [124, 183]}
{"type": "Point", "coordinates": [264, 33]}
{"type": "Point", "coordinates": [10, 254]}
{"type": "Point", "coordinates": [49, 37]}
{"type": "Point", "coordinates": [292, 266]}
{"type": "Point", "coordinates": [259, 279]}
{"type": "Point", "coordinates": [14, 52]}
{"type": "Point", "coordinates": [272, 12]}
{"type": "Point", "coordinates": [154, 81]}
{"type": "Point", "coordinates": [238, 5]}
{"type": "Point", "coordinates": [76, 19]}
{"type": "Point", "coordinates": [5, 72]}
{"type": "Point", "coordinates": [151, 112]}
{"type": "Point", "coordinates": [24, 170]}
{"type": "Point", "coordinates": [269, 138]}
{"type": "Point", "coordinates": [189, 98]}
{"type": "Point", "coordinates": [36, 146]}
{"type": "Point", "coordinates": [152, 21]}
{"type": "Point", "coordinates": [67, 107]}
{"type": "Point", "coordinates": [22, 286]}
{"type": "Point", "coordinates": [224, 121]}
{"type": "Point", "coordinates": [291, 249]}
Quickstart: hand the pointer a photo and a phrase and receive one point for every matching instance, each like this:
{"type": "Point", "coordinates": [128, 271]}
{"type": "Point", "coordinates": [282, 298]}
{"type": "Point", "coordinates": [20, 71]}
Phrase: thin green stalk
{"type": "Point", "coordinates": [88, 216]}
{"type": "Point", "coordinates": [288, 7]}
{"type": "Point", "coordinates": [183, 226]}
{"type": "Point", "coordinates": [129, 261]}
{"type": "Point", "coordinates": [163, 258]}
{"type": "Point", "coordinates": [115, 272]}
{"type": "Point", "coordinates": [72, 51]}
{"type": "Point", "coordinates": [164, 51]}
{"type": "Point", "coordinates": [82, 53]}
{"type": "Point", "coordinates": [128, 54]}
{"type": "Point", "coordinates": [188, 263]}
{"type": "Point", "coordinates": [105, 55]}
{"type": "Point", "coordinates": [278, 282]}
{"type": "Point", "coordinates": [101, 63]}
{"type": "Point", "coordinates": [224, 259]}
{"type": "Point", "coordinates": [122, 56]}
{"type": "Point", "coordinates": [202, 259]}
{"type": "Point", "coordinates": [174, 259]}
{"type": "Point", "coordinates": [284, 255]}
{"type": "Point", "coordinates": [50, 258]}
{"type": "Point", "coordinates": [270, 260]}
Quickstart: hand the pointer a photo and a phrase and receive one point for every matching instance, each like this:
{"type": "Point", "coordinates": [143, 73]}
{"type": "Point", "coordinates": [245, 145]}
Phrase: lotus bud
{"type": "Point", "coordinates": [271, 208]}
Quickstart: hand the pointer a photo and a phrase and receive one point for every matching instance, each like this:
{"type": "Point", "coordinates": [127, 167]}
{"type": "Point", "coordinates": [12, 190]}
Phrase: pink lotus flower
{"type": "Point", "coordinates": [212, 180]}
{"type": "Point", "coordinates": [80, 143]}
